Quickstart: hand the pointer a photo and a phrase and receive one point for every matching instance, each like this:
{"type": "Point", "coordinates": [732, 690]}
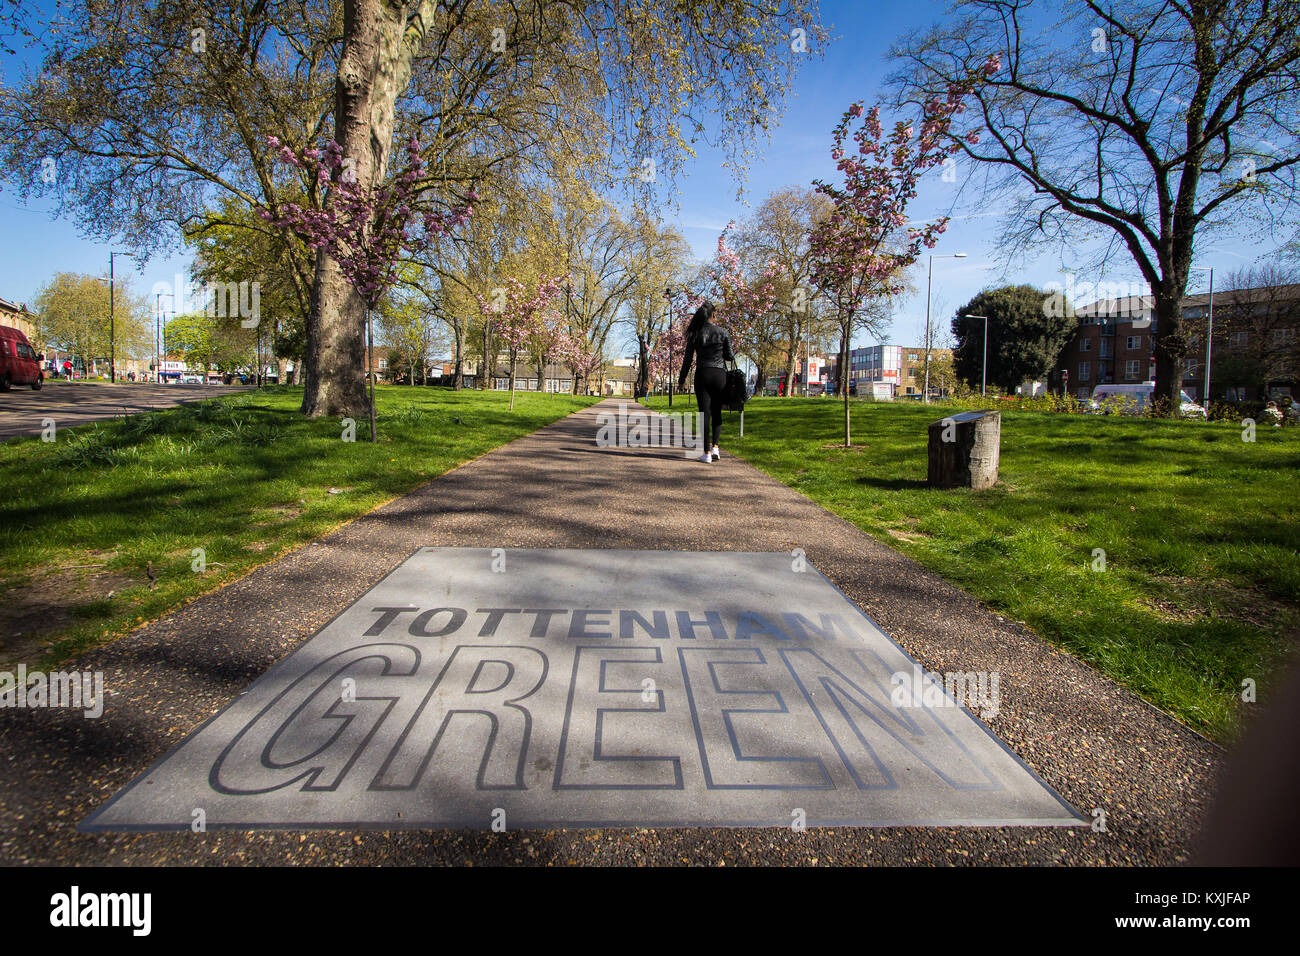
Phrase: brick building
{"type": "Point", "coordinates": [901, 367]}
{"type": "Point", "coordinates": [1115, 341]}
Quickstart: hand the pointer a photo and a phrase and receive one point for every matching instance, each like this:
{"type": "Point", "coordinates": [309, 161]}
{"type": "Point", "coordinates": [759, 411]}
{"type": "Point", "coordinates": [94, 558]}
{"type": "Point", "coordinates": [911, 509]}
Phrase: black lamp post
{"type": "Point", "coordinates": [112, 344]}
{"type": "Point", "coordinates": [668, 325]}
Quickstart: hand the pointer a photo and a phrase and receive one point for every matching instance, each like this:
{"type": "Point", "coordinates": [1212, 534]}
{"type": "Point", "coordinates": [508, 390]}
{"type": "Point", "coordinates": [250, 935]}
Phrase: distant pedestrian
{"type": "Point", "coordinates": [710, 347]}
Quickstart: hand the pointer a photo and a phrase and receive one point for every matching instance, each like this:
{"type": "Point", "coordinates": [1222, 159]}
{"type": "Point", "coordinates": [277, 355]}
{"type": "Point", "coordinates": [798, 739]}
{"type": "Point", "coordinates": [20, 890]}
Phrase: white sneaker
{"type": "Point", "coordinates": [706, 458]}
{"type": "Point", "coordinates": [716, 454]}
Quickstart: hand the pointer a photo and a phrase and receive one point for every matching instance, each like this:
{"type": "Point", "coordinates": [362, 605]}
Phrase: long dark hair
{"type": "Point", "coordinates": [703, 315]}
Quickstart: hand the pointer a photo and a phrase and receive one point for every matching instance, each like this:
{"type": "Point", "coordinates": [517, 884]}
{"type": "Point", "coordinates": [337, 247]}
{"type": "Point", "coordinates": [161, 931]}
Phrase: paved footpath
{"type": "Point", "coordinates": [1095, 743]}
{"type": "Point", "coordinates": [24, 411]}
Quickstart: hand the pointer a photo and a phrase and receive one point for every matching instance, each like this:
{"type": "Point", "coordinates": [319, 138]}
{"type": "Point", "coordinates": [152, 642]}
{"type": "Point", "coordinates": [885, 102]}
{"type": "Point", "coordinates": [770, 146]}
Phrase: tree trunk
{"type": "Point", "coordinates": [374, 69]}
{"type": "Point", "coordinates": [458, 380]}
{"type": "Point", "coordinates": [790, 367]}
{"type": "Point", "coordinates": [512, 381]}
{"type": "Point", "coordinates": [643, 374]}
{"type": "Point", "coordinates": [844, 384]}
{"type": "Point", "coordinates": [1169, 348]}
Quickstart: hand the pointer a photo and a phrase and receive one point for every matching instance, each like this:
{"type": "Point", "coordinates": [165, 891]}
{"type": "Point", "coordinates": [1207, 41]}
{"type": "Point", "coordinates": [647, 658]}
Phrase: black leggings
{"type": "Point", "coordinates": [709, 383]}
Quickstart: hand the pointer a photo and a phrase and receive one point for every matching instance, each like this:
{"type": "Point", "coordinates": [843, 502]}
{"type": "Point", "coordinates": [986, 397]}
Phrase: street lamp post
{"type": "Point", "coordinates": [668, 331]}
{"type": "Point", "coordinates": [1209, 331]}
{"type": "Point", "coordinates": [157, 335]}
{"type": "Point", "coordinates": [112, 336]}
{"type": "Point", "coordinates": [984, 365]}
{"type": "Point", "coordinates": [929, 283]}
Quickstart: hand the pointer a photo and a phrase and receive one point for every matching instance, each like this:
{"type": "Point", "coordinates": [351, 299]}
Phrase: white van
{"type": "Point", "coordinates": [1136, 399]}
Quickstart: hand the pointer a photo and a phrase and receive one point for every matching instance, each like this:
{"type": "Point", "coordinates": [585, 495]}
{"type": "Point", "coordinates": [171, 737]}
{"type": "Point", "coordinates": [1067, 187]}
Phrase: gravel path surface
{"type": "Point", "coordinates": [1096, 743]}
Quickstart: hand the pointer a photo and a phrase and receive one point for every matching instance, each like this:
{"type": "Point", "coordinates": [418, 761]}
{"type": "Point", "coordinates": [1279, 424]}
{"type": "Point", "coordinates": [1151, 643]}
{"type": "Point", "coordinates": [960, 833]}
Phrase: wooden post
{"type": "Point", "coordinates": [964, 450]}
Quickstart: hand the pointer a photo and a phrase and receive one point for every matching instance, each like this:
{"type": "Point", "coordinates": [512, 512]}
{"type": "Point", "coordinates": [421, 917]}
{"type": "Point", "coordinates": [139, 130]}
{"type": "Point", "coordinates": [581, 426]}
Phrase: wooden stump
{"type": "Point", "coordinates": [963, 450]}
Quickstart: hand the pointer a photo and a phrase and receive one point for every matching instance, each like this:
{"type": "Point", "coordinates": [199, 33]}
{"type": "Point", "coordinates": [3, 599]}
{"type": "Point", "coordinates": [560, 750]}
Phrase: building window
{"type": "Point", "coordinates": [1283, 336]}
{"type": "Point", "coordinates": [1133, 342]}
{"type": "Point", "coordinates": [1105, 349]}
{"type": "Point", "coordinates": [383, 364]}
{"type": "Point", "coordinates": [1083, 392]}
{"type": "Point", "coordinates": [1238, 340]}
{"type": "Point", "coordinates": [1132, 368]}
{"type": "Point", "coordinates": [1085, 345]}
{"type": "Point", "coordinates": [1191, 367]}
{"type": "Point", "coordinates": [1085, 371]}
{"type": "Point", "coordinates": [913, 358]}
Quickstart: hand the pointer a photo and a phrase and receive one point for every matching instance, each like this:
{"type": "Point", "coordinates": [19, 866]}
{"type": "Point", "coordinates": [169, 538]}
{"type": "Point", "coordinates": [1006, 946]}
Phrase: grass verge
{"type": "Point", "coordinates": [243, 477]}
{"type": "Point", "coordinates": [1198, 530]}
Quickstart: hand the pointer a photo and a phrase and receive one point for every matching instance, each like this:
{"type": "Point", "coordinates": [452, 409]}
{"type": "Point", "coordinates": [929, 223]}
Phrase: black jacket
{"type": "Point", "coordinates": [711, 348]}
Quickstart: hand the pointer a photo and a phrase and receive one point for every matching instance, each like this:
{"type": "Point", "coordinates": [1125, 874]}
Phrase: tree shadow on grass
{"type": "Point", "coordinates": [894, 484]}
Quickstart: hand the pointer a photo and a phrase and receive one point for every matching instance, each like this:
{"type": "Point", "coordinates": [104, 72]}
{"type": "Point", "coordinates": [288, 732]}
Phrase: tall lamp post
{"type": "Point", "coordinates": [157, 334]}
{"type": "Point", "coordinates": [668, 331]}
{"type": "Point", "coordinates": [112, 335]}
{"type": "Point", "coordinates": [1209, 331]}
{"type": "Point", "coordinates": [984, 365]}
{"type": "Point", "coordinates": [928, 285]}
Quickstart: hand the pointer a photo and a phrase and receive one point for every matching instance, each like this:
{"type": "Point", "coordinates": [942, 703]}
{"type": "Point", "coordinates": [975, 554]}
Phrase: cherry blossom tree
{"type": "Point", "coordinates": [745, 304]}
{"type": "Point", "coordinates": [864, 247]}
{"type": "Point", "coordinates": [580, 355]}
{"type": "Point", "coordinates": [366, 230]}
{"type": "Point", "coordinates": [518, 315]}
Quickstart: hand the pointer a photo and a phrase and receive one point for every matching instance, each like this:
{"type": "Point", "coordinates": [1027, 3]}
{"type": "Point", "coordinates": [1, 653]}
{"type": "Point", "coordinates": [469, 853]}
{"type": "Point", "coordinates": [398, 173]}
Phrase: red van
{"type": "Point", "coordinates": [19, 363]}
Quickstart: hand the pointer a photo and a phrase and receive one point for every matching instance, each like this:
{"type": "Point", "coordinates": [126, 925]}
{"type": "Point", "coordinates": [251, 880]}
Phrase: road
{"type": "Point", "coordinates": [23, 410]}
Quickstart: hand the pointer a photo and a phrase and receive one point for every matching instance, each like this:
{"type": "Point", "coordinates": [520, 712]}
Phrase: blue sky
{"type": "Point", "coordinates": [33, 247]}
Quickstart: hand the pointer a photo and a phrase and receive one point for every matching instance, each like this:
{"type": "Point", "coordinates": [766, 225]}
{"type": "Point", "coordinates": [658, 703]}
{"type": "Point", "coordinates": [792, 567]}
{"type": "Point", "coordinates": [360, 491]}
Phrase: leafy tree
{"type": "Point", "coordinates": [410, 325]}
{"type": "Point", "coordinates": [149, 109]}
{"type": "Point", "coordinates": [655, 258]}
{"type": "Point", "coordinates": [1024, 342]}
{"type": "Point", "coordinates": [943, 373]}
{"type": "Point", "coordinates": [778, 232]}
{"type": "Point", "coordinates": [204, 340]}
{"type": "Point", "coordinates": [73, 316]}
{"type": "Point", "coordinates": [234, 244]}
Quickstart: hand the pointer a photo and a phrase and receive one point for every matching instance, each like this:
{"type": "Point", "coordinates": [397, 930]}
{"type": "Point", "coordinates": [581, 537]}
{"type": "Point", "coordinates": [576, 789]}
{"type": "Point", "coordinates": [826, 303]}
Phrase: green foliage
{"type": "Point", "coordinates": [202, 340]}
{"type": "Point", "coordinates": [1024, 338]}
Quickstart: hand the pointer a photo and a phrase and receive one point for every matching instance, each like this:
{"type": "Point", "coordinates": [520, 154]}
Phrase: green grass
{"type": "Point", "coordinates": [1201, 587]}
{"type": "Point", "coordinates": [244, 477]}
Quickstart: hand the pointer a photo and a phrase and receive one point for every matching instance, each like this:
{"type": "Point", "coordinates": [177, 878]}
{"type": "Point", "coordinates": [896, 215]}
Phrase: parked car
{"type": "Point", "coordinates": [19, 362]}
{"type": "Point", "coordinates": [1135, 399]}
{"type": "Point", "coordinates": [190, 379]}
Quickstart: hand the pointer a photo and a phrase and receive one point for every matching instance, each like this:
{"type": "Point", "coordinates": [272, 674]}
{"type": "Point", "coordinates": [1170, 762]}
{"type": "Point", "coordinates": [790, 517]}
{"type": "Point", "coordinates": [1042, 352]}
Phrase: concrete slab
{"type": "Point", "coordinates": [543, 688]}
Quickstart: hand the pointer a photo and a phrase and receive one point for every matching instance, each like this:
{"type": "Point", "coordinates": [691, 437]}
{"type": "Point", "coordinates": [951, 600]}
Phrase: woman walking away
{"type": "Point", "coordinates": [710, 346]}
